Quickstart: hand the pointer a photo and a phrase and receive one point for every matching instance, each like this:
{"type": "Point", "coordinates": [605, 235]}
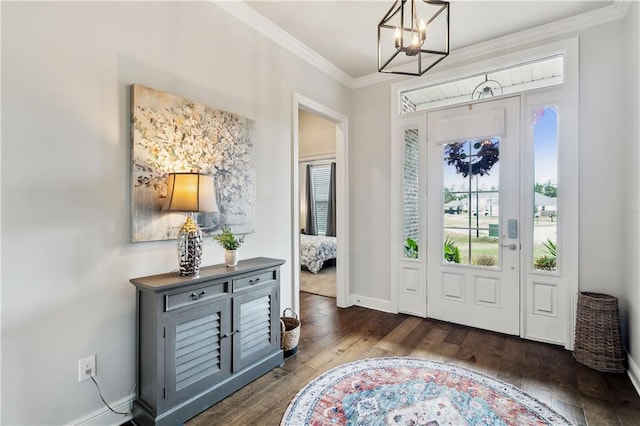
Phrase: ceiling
{"type": "Point", "coordinates": [345, 32]}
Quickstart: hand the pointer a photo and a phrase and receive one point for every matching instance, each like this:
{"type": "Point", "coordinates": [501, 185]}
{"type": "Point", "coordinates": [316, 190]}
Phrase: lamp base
{"type": "Point", "coordinates": [190, 248]}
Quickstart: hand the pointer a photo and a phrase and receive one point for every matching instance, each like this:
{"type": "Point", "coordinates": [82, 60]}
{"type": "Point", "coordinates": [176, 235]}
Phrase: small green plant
{"type": "Point", "coordinates": [485, 260]}
{"type": "Point", "coordinates": [451, 251]}
{"type": "Point", "coordinates": [547, 262]}
{"type": "Point", "coordinates": [410, 248]}
{"type": "Point", "coordinates": [550, 246]}
{"type": "Point", "coordinates": [228, 240]}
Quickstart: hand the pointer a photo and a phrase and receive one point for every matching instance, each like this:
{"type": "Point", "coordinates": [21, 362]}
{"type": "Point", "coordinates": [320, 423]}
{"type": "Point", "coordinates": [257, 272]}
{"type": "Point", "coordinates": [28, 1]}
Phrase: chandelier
{"type": "Point", "coordinates": [413, 36]}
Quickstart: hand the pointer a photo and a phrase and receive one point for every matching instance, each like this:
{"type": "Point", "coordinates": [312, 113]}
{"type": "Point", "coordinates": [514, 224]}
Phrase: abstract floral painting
{"type": "Point", "coordinates": [173, 134]}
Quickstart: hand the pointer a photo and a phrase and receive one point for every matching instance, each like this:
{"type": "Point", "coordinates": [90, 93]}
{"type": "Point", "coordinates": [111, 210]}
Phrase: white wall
{"type": "Point", "coordinates": [369, 189]}
{"type": "Point", "coordinates": [631, 300]}
{"type": "Point", "coordinates": [608, 157]}
{"type": "Point", "coordinates": [67, 259]}
{"type": "Point", "coordinates": [603, 159]}
{"type": "Point", "coordinates": [609, 198]}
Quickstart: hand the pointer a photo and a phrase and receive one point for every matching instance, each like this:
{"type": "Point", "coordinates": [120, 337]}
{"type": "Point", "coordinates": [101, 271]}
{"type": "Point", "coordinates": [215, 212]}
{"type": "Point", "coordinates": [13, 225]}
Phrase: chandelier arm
{"type": "Point", "coordinates": [436, 62]}
{"type": "Point", "coordinates": [438, 14]}
{"type": "Point", "coordinates": [389, 60]}
{"type": "Point", "coordinates": [434, 52]}
{"type": "Point", "coordinates": [392, 11]}
{"type": "Point", "coordinates": [414, 17]}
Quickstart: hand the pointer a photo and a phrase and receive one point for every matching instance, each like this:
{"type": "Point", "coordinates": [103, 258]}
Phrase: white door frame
{"type": "Point", "coordinates": [565, 295]}
{"type": "Point", "coordinates": [341, 121]}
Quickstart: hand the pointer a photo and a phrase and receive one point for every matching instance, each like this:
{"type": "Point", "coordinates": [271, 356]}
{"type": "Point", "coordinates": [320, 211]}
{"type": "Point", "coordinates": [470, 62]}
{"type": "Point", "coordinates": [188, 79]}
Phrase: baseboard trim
{"type": "Point", "coordinates": [104, 416]}
{"type": "Point", "coordinates": [634, 373]}
{"type": "Point", "coordinates": [371, 303]}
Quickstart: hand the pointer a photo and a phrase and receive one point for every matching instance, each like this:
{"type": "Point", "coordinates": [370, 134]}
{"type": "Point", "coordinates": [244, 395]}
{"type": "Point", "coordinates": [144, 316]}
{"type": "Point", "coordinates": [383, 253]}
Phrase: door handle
{"type": "Point", "coordinates": [512, 246]}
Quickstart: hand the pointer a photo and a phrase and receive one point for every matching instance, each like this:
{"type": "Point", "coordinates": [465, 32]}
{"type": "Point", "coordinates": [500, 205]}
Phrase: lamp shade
{"type": "Point", "coordinates": [190, 192]}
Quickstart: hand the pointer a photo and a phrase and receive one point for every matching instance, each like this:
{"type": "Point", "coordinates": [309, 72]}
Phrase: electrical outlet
{"type": "Point", "coordinates": [87, 368]}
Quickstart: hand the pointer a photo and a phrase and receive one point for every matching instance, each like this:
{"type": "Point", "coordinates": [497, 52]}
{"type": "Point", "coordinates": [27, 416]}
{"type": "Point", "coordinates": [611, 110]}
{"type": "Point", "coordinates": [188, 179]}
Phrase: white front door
{"type": "Point", "coordinates": [473, 215]}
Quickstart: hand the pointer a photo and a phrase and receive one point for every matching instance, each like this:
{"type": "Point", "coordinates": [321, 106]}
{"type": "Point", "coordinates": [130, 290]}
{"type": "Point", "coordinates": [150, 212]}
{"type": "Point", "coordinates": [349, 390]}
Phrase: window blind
{"type": "Point", "coordinates": [321, 175]}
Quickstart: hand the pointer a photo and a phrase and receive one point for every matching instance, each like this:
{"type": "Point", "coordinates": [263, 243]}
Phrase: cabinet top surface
{"type": "Point", "coordinates": [173, 279]}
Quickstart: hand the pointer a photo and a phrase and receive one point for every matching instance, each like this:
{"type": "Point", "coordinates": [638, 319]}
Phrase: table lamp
{"type": "Point", "coordinates": [190, 192]}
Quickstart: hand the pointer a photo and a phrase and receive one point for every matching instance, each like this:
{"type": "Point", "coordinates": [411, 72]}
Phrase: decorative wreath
{"type": "Point", "coordinates": [487, 155]}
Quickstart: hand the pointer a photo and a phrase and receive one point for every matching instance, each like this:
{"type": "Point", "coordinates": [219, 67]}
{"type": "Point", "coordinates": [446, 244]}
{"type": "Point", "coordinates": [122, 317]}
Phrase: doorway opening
{"type": "Point", "coordinates": [317, 175]}
{"type": "Point", "coordinates": [310, 114]}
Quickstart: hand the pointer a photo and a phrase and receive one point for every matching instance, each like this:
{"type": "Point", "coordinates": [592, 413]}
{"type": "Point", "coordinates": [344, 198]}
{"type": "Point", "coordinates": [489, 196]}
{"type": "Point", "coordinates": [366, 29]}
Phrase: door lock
{"type": "Point", "coordinates": [512, 246]}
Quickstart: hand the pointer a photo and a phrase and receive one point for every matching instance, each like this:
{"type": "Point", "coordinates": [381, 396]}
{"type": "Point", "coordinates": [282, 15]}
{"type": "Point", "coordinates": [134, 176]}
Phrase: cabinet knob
{"type": "Point", "coordinates": [253, 281]}
{"type": "Point", "coordinates": [229, 334]}
{"type": "Point", "coordinates": [197, 296]}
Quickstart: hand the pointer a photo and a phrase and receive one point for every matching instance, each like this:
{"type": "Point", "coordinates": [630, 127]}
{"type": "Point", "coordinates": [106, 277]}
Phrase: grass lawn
{"type": "Point", "coordinates": [484, 245]}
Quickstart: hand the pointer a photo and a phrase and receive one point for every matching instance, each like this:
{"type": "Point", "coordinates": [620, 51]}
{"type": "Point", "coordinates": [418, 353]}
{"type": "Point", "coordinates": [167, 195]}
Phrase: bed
{"type": "Point", "coordinates": [315, 250]}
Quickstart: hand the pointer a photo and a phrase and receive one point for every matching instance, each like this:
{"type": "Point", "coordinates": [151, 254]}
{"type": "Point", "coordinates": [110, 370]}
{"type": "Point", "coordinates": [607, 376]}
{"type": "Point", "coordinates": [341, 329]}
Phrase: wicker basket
{"type": "Point", "coordinates": [598, 341]}
{"type": "Point", "coordinates": [289, 332]}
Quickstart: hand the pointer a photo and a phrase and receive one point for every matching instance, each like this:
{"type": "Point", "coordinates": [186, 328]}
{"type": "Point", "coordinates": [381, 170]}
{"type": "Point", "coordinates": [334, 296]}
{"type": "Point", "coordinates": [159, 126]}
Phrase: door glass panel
{"type": "Point", "coordinates": [545, 191]}
{"type": "Point", "coordinates": [410, 194]}
{"type": "Point", "coordinates": [471, 202]}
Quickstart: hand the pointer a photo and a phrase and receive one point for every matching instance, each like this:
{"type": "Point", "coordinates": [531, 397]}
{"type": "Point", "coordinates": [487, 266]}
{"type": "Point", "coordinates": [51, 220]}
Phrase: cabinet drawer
{"type": "Point", "coordinates": [195, 295]}
{"type": "Point", "coordinates": [256, 279]}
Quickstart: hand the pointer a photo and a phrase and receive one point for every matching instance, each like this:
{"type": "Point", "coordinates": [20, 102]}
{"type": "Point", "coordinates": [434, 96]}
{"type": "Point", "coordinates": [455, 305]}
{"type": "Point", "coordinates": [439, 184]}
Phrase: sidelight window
{"type": "Point", "coordinates": [411, 182]}
{"type": "Point", "coordinates": [545, 190]}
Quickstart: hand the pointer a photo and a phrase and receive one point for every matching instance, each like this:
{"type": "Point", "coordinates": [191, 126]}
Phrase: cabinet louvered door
{"type": "Point", "coordinates": [255, 318]}
{"type": "Point", "coordinates": [198, 348]}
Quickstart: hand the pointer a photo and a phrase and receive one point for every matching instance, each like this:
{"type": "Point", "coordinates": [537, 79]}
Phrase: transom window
{"type": "Point", "coordinates": [515, 79]}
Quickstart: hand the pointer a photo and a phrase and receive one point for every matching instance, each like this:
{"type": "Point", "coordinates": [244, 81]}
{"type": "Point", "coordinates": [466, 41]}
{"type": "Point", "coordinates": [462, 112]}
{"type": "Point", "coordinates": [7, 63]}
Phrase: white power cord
{"type": "Point", "coordinates": [105, 402]}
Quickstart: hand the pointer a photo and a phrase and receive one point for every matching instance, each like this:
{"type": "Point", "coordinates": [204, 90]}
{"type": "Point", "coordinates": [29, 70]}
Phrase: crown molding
{"type": "Point", "coordinates": [258, 22]}
{"type": "Point", "coordinates": [617, 10]}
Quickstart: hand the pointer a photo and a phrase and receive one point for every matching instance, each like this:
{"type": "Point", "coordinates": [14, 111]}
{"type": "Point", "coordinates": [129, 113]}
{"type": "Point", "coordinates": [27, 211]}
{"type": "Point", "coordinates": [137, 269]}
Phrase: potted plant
{"type": "Point", "coordinates": [451, 251]}
{"type": "Point", "coordinates": [410, 248]}
{"type": "Point", "coordinates": [547, 262]}
{"type": "Point", "coordinates": [230, 243]}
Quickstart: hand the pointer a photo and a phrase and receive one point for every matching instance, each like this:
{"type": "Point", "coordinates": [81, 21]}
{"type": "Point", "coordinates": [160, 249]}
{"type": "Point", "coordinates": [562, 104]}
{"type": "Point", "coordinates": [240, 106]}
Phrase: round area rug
{"type": "Point", "coordinates": [413, 391]}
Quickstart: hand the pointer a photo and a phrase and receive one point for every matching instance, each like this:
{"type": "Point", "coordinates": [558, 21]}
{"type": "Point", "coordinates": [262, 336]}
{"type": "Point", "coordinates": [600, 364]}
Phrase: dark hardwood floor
{"type": "Point", "coordinates": [331, 336]}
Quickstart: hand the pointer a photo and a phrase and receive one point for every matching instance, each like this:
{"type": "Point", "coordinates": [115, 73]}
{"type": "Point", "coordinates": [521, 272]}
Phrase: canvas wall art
{"type": "Point", "coordinates": [173, 134]}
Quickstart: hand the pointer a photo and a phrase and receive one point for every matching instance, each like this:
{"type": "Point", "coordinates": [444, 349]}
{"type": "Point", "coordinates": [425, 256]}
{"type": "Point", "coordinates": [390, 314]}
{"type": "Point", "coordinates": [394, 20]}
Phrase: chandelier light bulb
{"type": "Point", "coordinates": [422, 27]}
{"type": "Point", "coordinates": [415, 40]}
{"type": "Point", "coordinates": [396, 37]}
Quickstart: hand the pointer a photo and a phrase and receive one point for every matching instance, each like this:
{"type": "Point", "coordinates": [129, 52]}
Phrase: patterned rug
{"type": "Point", "coordinates": [413, 391]}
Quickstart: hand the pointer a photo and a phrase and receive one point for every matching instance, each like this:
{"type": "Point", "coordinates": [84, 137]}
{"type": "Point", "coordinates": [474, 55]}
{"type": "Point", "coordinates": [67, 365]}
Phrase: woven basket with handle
{"type": "Point", "coordinates": [598, 341]}
{"type": "Point", "coordinates": [289, 332]}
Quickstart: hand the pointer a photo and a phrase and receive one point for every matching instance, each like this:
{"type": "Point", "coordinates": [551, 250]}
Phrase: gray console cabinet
{"type": "Point", "coordinates": [199, 339]}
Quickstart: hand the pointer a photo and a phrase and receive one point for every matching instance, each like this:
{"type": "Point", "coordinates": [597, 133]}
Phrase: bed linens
{"type": "Point", "coordinates": [315, 250]}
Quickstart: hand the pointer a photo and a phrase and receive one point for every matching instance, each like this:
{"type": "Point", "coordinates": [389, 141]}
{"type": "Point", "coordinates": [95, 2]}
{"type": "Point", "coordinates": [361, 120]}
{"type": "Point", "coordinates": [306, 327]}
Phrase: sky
{"type": "Point", "coordinates": [545, 131]}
